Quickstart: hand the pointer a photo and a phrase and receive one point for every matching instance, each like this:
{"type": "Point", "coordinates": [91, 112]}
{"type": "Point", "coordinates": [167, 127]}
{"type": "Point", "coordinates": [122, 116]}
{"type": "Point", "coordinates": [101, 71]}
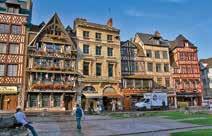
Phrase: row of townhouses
{"type": "Point", "coordinates": [49, 66]}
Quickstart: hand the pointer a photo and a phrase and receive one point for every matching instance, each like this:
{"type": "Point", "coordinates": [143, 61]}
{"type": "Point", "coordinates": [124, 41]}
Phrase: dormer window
{"type": "Point", "coordinates": [186, 44]}
{"type": "Point", "coordinates": [13, 8]}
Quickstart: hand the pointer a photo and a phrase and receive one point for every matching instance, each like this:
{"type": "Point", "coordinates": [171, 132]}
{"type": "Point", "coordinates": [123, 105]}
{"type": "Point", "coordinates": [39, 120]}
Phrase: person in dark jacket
{"type": "Point", "coordinates": [79, 114]}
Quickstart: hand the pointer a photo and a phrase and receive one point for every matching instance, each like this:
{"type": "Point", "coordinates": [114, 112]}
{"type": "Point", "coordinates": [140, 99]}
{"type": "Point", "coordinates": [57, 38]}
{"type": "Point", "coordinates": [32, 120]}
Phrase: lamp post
{"type": "Point", "coordinates": [79, 89]}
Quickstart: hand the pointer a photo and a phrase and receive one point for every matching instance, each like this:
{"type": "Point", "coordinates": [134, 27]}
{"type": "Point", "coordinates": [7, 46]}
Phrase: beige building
{"type": "Point", "coordinates": [156, 62]}
{"type": "Point", "coordinates": [99, 54]}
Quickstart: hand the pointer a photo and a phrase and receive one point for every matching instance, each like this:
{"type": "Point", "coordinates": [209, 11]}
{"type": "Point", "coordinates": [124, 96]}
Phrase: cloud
{"type": "Point", "coordinates": [139, 13]}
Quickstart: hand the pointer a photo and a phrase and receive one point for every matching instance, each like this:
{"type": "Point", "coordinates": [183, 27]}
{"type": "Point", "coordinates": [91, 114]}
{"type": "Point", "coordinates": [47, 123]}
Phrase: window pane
{"type": "Point", "coordinates": [149, 53]}
{"type": "Point", "coordinates": [3, 48]}
{"type": "Point", "coordinates": [158, 67]}
{"type": "Point", "coordinates": [86, 68]}
{"type": "Point", "coordinates": [33, 100]}
{"type": "Point", "coordinates": [165, 55]}
{"type": "Point", "coordinates": [4, 28]}
{"type": "Point", "coordinates": [45, 100]}
{"type": "Point", "coordinates": [2, 70]}
{"type": "Point", "coordinates": [98, 50]}
{"type": "Point", "coordinates": [150, 67]}
{"type": "Point", "coordinates": [12, 70]}
{"type": "Point", "coordinates": [98, 69]}
{"type": "Point", "coordinates": [157, 54]}
{"type": "Point", "coordinates": [110, 51]}
{"type": "Point", "coordinates": [57, 100]}
{"type": "Point", "coordinates": [86, 49]}
{"type": "Point", "coordinates": [16, 29]}
{"type": "Point", "coordinates": [13, 48]}
{"type": "Point", "coordinates": [109, 37]}
{"type": "Point", "coordinates": [110, 70]}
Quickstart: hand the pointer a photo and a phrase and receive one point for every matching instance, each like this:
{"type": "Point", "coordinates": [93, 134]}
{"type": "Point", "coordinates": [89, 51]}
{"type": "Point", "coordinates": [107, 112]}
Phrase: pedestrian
{"type": "Point", "coordinates": [113, 105]}
{"type": "Point", "coordinates": [21, 119]}
{"type": "Point", "coordinates": [79, 114]}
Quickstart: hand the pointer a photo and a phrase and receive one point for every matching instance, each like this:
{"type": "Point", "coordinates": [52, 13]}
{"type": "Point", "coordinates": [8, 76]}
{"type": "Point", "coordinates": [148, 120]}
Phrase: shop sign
{"type": "Point", "coordinates": [133, 91]}
{"type": "Point", "coordinates": [8, 90]}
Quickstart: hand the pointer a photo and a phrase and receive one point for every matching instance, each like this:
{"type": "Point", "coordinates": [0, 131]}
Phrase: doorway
{"type": "Point", "coordinates": [10, 102]}
{"type": "Point", "coordinates": [68, 102]}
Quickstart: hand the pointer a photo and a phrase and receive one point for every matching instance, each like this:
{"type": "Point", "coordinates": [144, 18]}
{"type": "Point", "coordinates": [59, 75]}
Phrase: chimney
{"type": "Point", "coordinates": [110, 22]}
{"type": "Point", "coordinates": [157, 34]}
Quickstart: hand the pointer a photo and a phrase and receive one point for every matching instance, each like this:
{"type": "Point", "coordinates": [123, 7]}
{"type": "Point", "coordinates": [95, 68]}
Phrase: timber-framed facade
{"type": "Point", "coordinates": [14, 17]}
{"type": "Point", "coordinates": [51, 69]}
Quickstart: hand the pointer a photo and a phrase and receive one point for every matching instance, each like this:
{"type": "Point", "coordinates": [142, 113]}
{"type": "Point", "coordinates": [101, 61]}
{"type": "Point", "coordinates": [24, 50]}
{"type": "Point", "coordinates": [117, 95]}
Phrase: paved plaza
{"type": "Point", "coordinates": [104, 126]}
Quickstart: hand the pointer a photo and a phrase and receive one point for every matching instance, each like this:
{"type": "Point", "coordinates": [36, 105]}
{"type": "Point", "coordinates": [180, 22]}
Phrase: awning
{"type": "Point", "coordinates": [8, 90]}
{"type": "Point", "coordinates": [112, 95]}
{"type": "Point", "coordinates": [92, 95]}
{"type": "Point", "coordinates": [111, 92]}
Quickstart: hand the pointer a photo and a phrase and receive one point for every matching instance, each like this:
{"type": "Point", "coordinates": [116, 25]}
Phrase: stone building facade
{"type": "Point", "coordinates": [186, 71]}
{"type": "Point", "coordinates": [100, 64]}
{"type": "Point", "coordinates": [157, 63]}
{"type": "Point", "coordinates": [51, 69]}
{"type": "Point", "coordinates": [14, 17]}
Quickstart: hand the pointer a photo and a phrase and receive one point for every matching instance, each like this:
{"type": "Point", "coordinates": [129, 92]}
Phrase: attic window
{"type": "Point", "coordinates": [186, 44]}
{"type": "Point", "coordinates": [13, 8]}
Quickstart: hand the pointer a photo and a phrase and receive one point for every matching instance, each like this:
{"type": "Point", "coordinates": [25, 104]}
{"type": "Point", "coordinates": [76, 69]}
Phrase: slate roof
{"type": "Point", "coordinates": [207, 61]}
{"type": "Point", "coordinates": [148, 39]}
{"type": "Point", "coordinates": [85, 23]}
{"type": "Point", "coordinates": [22, 4]}
{"type": "Point", "coordinates": [179, 42]}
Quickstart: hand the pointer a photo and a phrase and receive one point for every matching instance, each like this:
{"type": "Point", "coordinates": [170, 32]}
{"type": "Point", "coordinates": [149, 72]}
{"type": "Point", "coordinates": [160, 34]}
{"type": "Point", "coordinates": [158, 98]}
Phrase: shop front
{"type": "Point", "coordinates": [191, 98]}
{"type": "Point", "coordinates": [131, 96]}
{"type": "Point", "coordinates": [112, 97]}
{"type": "Point", "coordinates": [50, 101]}
{"type": "Point", "coordinates": [8, 98]}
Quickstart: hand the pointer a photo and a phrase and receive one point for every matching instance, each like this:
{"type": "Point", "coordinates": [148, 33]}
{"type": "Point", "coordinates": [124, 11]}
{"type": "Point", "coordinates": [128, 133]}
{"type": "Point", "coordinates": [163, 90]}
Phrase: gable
{"type": "Point", "coordinates": [53, 32]}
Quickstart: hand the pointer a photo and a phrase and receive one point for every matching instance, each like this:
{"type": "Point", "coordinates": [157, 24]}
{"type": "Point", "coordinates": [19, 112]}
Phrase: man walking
{"type": "Point", "coordinates": [21, 119]}
{"type": "Point", "coordinates": [79, 114]}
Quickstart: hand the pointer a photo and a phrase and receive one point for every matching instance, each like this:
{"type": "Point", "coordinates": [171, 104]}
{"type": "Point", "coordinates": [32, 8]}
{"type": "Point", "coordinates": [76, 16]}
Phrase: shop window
{"type": "Point", "coordinates": [33, 100]}
{"type": "Point", "coordinates": [45, 100]}
{"type": "Point", "coordinates": [57, 100]}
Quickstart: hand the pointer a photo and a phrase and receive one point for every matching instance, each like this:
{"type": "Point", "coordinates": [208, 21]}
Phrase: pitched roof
{"type": "Point", "coordinates": [54, 18]}
{"type": "Point", "coordinates": [179, 42]}
{"type": "Point", "coordinates": [207, 61]}
{"type": "Point", "coordinates": [140, 51]}
{"type": "Point", "coordinates": [149, 39]}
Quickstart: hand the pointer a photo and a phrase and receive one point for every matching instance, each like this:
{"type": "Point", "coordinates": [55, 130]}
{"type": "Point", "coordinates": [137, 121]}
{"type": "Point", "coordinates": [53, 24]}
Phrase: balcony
{"type": "Point", "coordinates": [52, 86]}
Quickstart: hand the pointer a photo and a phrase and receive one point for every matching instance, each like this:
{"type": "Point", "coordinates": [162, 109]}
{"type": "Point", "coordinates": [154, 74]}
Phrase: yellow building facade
{"type": "Point", "coordinates": [99, 63]}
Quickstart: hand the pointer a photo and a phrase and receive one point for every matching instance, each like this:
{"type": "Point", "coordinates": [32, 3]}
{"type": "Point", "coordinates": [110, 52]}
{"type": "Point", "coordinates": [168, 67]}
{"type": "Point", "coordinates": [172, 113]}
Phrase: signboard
{"type": "Point", "coordinates": [8, 90]}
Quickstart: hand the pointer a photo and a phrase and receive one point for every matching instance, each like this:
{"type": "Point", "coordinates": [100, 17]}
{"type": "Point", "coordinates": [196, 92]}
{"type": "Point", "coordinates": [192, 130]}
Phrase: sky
{"type": "Point", "coordinates": [192, 18]}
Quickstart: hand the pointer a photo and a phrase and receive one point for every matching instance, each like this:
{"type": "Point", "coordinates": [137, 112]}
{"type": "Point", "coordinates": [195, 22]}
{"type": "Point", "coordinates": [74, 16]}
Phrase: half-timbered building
{"type": "Point", "coordinates": [186, 72]}
{"type": "Point", "coordinates": [14, 17]}
{"type": "Point", "coordinates": [51, 69]}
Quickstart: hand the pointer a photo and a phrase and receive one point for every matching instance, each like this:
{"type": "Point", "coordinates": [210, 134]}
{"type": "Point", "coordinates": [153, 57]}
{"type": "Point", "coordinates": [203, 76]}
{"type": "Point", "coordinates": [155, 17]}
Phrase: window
{"type": "Point", "coordinates": [157, 54]}
{"type": "Point", "coordinates": [165, 54]}
{"type": "Point", "coordinates": [158, 67]}
{"type": "Point", "coordinates": [45, 100]}
{"type": "Point", "coordinates": [85, 68]}
{"type": "Point", "coordinates": [109, 51]}
{"type": "Point", "coordinates": [146, 84]}
{"type": "Point", "coordinates": [12, 9]}
{"type": "Point", "coordinates": [85, 34]}
{"type": "Point", "coordinates": [12, 70]}
{"type": "Point", "coordinates": [57, 100]}
{"type": "Point", "coordinates": [167, 80]}
{"type": "Point", "coordinates": [98, 36]}
{"type": "Point", "coordinates": [149, 53]}
{"type": "Point", "coordinates": [109, 38]}
{"type": "Point", "coordinates": [2, 70]}
{"type": "Point", "coordinates": [13, 48]}
{"type": "Point", "coordinates": [33, 100]}
{"type": "Point", "coordinates": [130, 83]}
{"type": "Point", "coordinates": [159, 81]}
{"type": "Point", "coordinates": [98, 50]}
{"type": "Point", "coordinates": [150, 67]}
{"type": "Point", "coordinates": [110, 70]}
{"type": "Point", "coordinates": [3, 48]}
{"type": "Point", "coordinates": [98, 69]}
{"type": "Point", "coordinates": [138, 84]}
{"type": "Point", "coordinates": [86, 49]}
{"type": "Point", "coordinates": [4, 28]}
{"type": "Point", "coordinates": [166, 67]}
{"type": "Point", "coordinates": [16, 29]}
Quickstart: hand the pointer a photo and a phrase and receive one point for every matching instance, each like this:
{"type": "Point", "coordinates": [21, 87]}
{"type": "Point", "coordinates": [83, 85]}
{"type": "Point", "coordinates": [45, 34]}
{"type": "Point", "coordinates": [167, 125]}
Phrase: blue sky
{"type": "Point", "coordinates": [192, 18]}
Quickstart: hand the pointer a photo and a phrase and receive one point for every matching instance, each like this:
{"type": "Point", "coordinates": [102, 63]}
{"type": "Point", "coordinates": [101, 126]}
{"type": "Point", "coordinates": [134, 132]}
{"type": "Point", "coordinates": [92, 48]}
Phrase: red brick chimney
{"type": "Point", "coordinates": [110, 22]}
